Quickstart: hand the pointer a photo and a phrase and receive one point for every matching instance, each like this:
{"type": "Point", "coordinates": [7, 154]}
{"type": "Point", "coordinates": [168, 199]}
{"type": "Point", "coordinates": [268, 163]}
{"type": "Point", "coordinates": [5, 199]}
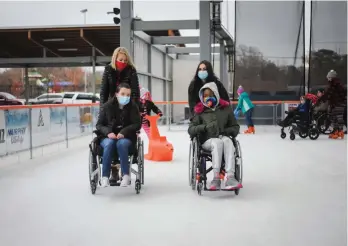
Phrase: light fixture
{"type": "Point", "coordinates": [68, 49]}
{"type": "Point", "coordinates": [54, 40]}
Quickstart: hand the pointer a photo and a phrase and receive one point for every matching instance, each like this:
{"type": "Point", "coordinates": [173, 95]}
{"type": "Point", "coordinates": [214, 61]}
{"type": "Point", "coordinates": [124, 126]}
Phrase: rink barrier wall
{"type": "Point", "coordinates": [28, 127]}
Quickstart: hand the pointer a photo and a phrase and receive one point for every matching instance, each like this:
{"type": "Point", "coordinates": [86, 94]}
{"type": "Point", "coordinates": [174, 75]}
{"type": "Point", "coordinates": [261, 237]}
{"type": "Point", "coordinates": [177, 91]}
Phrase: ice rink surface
{"type": "Point", "coordinates": [295, 193]}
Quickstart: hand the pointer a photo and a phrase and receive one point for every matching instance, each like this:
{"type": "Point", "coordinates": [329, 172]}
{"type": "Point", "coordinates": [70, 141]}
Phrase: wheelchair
{"type": "Point", "coordinates": [323, 122]}
{"type": "Point", "coordinates": [198, 157]}
{"type": "Point", "coordinates": [302, 124]}
{"type": "Point", "coordinates": [136, 157]}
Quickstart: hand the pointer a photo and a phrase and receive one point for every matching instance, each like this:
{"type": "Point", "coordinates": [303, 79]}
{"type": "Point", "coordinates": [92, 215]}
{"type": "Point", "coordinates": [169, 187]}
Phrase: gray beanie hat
{"type": "Point", "coordinates": [331, 74]}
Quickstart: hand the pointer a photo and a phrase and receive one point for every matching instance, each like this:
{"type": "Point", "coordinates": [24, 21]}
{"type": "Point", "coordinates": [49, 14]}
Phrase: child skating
{"type": "Point", "coordinates": [247, 108]}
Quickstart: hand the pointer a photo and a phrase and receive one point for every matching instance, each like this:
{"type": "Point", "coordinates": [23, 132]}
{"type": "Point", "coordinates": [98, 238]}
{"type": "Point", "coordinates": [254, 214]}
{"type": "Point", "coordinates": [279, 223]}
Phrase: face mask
{"type": "Point", "coordinates": [121, 65]}
{"type": "Point", "coordinates": [123, 100]}
{"type": "Point", "coordinates": [202, 74]}
{"type": "Point", "coordinates": [210, 101]}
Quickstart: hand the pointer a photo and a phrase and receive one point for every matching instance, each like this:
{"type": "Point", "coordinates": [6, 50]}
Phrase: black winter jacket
{"type": "Point", "coordinates": [146, 108]}
{"type": "Point", "coordinates": [112, 78]}
{"type": "Point", "coordinates": [193, 93]}
{"type": "Point", "coordinates": [126, 121]}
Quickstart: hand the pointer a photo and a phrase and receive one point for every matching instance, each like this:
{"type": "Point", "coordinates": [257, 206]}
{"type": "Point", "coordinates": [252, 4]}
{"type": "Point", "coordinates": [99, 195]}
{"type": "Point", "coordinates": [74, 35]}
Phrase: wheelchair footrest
{"type": "Point", "coordinates": [114, 183]}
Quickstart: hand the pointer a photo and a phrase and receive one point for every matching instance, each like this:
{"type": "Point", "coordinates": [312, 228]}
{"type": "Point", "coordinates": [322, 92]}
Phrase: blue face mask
{"type": "Point", "coordinates": [202, 74]}
{"type": "Point", "coordinates": [122, 100]}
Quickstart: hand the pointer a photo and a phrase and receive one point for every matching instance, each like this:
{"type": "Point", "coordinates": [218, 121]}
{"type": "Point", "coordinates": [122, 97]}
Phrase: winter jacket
{"type": "Point", "coordinates": [146, 108]}
{"type": "Point", "coordinates": [302, 107]}
{"type": "Point", "coordinates": [335, 94]}
{"type": "Point", "coordinates": [195, 87]}
{"type": "Point", "coordinates": [112, 78]}
{"type": "Point", "coordinates": [212, 122]}
{"type": "Point", "coordinates": [313, 98]}
{"type": "Point", "coordinates": [114, 119]}
{"type": "Point", "coordinates": [244, 102]}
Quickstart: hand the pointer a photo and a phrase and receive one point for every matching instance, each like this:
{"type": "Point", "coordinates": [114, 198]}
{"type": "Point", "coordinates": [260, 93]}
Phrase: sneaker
{"type": "Point", "coordinates": [215, 184]}
{"type": "Point", "coordinates": [126, 181]}
{"type": "Point", "coordinates": [231, 183]}
{"type": "Point", "coordinates": [105, 182]}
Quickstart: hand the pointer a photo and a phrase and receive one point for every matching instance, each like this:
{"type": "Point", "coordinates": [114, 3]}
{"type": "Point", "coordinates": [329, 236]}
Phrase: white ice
{"type": "Point", "coordinates": [294, 194]}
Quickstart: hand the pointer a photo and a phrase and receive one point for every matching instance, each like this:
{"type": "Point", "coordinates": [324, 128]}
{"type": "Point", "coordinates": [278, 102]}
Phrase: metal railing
{"type": "Point", "coordinates": [25, 128]}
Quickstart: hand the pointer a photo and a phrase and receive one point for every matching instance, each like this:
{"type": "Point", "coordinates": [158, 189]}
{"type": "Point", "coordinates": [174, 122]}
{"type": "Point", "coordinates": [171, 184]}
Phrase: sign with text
{"type": "Point", "coordinates": [17, 130]}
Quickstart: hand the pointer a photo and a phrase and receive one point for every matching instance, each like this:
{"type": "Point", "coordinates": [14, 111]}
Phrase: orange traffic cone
{"type": "Point", "coordinates": [159, 148]}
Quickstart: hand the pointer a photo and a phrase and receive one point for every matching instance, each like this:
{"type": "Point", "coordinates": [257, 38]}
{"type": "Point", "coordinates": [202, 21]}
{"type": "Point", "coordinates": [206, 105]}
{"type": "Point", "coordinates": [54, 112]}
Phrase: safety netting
{"type": "Point", "coordinates": [269, 55]}
{"type": "Point", "coordinates": [328, 41]}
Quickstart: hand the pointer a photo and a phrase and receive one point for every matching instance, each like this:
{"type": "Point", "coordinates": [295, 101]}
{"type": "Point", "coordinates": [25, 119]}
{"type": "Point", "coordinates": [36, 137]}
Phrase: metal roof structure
{"type": "Point", "coordinates": [74, 42]}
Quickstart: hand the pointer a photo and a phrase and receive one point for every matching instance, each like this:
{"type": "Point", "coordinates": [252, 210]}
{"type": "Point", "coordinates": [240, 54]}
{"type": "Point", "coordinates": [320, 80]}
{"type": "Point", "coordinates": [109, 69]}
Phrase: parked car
{"type": "Point", "coordinates": [9, 99]}
{"type": "Point", "coordinates": [48, 98]}
{"type": "Point", "coordinates": [79, 97]}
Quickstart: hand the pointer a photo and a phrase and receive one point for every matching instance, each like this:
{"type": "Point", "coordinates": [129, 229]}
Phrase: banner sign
{"type": "Point", "coordinates": [85, 120]}
{"type": "Point", "coordinates": [2, 133]}
{"type": "Point", "coordinates": [73, 116]}
{"type": "Point", "coordinates": [17, 130]}
{"type": "Point", "coordinates": [95, 115]}
{"type": "Point", "coordinates": [290, 106]}
{"type": "Point", "coordinates": [40, 126]}
{"type": "Point", "coordinates": [57, 124]}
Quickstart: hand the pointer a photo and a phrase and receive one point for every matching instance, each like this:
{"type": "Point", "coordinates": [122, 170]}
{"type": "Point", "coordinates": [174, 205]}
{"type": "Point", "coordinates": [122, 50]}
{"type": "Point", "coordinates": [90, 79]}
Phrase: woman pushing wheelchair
{"type": "Point", "coordinates": [213, 123]}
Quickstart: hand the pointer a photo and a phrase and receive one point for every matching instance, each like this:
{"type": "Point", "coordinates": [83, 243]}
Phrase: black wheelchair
{"type": "Point", "coordinates": [302, 123]}
{"type": "Point", "coordinates": [198, 157]}
{"type": "Point", "coordinates": [136, 157]}
{"type": "Point", "coordinates": [323, 122]}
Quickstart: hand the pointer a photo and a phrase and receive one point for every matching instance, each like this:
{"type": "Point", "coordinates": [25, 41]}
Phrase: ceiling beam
{"type": "Point", "coordinates": [92, 44]}
{"type": "Point", "coordinates": [174, 40]}
{"type": "Point", "coordinates": [187, 50]}
{"type": "Point", "coordinates": [165, 25]}
{"type": "Point", "coordinates": [39, 44]}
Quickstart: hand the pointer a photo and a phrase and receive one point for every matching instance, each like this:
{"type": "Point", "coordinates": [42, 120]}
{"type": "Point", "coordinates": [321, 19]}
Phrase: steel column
{"type": "Point", "coordinates": [149, 67]}
{"type": "Point", "coordinates": [223, 64]}
{"type": "Point", "coordinates": [204, 30]}
{"type": "Point", "coordinates": [93, 66]}
{"type": "Point", "coordinates": [27, 85]}
{"type": "Point", "coordinates": [126, 34]}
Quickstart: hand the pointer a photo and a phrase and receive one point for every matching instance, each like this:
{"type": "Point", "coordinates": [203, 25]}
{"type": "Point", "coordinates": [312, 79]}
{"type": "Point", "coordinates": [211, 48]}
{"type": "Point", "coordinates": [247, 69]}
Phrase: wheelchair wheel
{"type": "Point", "coordinates": [141, 160]}
{"type": "Point", "coordinates": [193, 163]}
{"type": "Point", "coordinates": [303, 134]}
{"type": "Point", "coordinates": [93, 172]}
{"type": "Point", "coordinates": [313, 133]}
{"type": "Point", "coordinates": [324, 124]}
{"type": "Point", "coordinates": [239, 163]}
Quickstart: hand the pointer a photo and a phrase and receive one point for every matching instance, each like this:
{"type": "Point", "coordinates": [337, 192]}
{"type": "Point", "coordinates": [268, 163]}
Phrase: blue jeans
{"type": "Point", "coordinates": [248, 117]}
{"type": "Point", "coordinates": [122, 146]}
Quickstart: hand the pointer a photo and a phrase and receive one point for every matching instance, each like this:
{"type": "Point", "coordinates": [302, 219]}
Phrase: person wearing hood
{"type": "Point", "coordinates": [117, 126]}
{"type": "Point", "coordinates": [213, 123]}
{"type": "Point", "coordinates": [203, 74]}
{"type": "Point", "coordinates": [247, 107]}
{"type": "Point", "coordinates": [336, 96]}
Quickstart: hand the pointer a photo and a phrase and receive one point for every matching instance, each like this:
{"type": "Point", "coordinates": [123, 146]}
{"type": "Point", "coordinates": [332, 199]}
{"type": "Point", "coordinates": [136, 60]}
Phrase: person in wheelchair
{"type": "Point", "coordinates": [320, 106]}
{"type": "Point", "coordinates": [213, 123]}
{"type": "Point", "coordinates": [301, 109]}
{"type": "Point", "coordinates": [118, 123]}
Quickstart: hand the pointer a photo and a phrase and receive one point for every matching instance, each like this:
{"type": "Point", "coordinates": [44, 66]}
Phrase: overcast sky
{"type": "Point", "coordinates": [55, 13]}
